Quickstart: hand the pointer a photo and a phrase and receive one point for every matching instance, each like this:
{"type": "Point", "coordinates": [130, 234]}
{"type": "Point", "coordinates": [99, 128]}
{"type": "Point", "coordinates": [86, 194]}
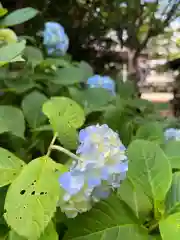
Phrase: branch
{"type": "Point", "coordinates": [171, 13]}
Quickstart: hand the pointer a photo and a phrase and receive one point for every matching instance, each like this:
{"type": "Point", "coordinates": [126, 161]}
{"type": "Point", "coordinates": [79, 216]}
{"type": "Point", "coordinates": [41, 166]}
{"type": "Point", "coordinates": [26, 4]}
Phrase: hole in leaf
{"type": "Point", "coordinates": [20, 217]}
{"type": "Point", "coordinates": [22, 192]}
{"type": "Point", "coordinates": [33, 193]}
{"type": "Point", "coordinates": [9, 157]}
{"type": "Point", "coordinates": [45, 193]}
{"type": "Point", "coordinates": [5, 211]}
{"type": "Point", "coordinates": [41, 193]}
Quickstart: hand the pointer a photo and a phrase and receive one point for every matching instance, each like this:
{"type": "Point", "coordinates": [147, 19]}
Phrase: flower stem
{"type": "Point", "coordinates": [67, 152]}
{"type": "Point", "coordinates": [51, 144]}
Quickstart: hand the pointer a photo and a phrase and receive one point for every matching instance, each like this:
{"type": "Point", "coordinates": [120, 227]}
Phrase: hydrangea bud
{"type": "Point", "coordinates": [55, 39]}
{"type": "Point", "coordinates": [172, 134]}
{"type": "Point", "coordinates": [101, 168]}
{"type": "Point", "coordinates": [105, 82]}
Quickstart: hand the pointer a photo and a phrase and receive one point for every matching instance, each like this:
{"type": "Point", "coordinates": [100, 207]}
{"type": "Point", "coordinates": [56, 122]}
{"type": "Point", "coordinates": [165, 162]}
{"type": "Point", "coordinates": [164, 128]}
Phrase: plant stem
{"type": "Point", "coordinates": [67, 152]}
{"type": "Point", "coordinates": [51, 144]}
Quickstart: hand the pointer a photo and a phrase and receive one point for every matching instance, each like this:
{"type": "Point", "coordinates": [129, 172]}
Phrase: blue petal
{"type": "Point", "coordinates": [72, 184]}
{"type": "Point", "coordinates": [93, 182]}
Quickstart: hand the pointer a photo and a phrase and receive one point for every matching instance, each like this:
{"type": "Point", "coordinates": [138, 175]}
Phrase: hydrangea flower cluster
{"type": "Point", "coordinates": [105, 82]}
{"type": "Point", "coordinates": [55, 39]}
{"type": "Point", "coordinates": [172, 134]}
{"type": "Point", "coordinates": [101, 168]}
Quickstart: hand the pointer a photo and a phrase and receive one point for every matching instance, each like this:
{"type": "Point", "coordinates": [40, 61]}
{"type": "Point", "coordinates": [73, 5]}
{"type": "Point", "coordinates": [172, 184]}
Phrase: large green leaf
{"type": "Point", "coordinates": [88, 70]}
{"type": "Point", "coordinates": [151, 131]}
{"type": "Point", "coordinates": [33, 55]}
{"type": "Point", "coordinates": [172, 202]}
{"type": "Point", "coordinates": [65, 116]}
{"type": "Point", "coordinates": [68, 76]}
{"type": "Point", "coordinates": [172, 151]}
{"type": "Point", "coordinates": [12, 120]}
{"type": "Point", "coordinates": [18, 16]}
{"type": "Point", "coordinates": [32, 108]}
{"type": "Point", "coordinates": [10, 167]}
{"type": "Point", "coordinates": [128, 231]}
{"type": "Point", "coordinates": [49, 234]}
{"type": "Point", "coordinates": [32, 198]}
{"type": "Point", "coordinates": [20, 84]}
{"type": "Point", "coordinates": [135, 198]}
{"type": "Point", "coordinates": [93, 99]}
{"type": "Point", "coordinates": [11, 51]}
{"type": "Point", "coordinates": [170, 227]}
{"type": "Point", "coordinates": [110, 219]}
{"type": "Point", "coordinates": [150, 168]}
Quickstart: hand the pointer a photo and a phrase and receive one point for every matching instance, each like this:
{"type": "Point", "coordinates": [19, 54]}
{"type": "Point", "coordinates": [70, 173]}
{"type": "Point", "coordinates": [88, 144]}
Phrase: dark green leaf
{"type": "Point", "coordinates": [150, 168]}
{"type": "Point", "coordinates": [19, 16]}
{"type": "Point", "coordinates": [32, 108]}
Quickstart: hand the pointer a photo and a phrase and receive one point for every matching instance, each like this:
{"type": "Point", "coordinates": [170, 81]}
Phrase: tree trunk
{"type": "Point", "coordinates": [133, 70]}
{"type": "Point", "coordinates": [176, 101]}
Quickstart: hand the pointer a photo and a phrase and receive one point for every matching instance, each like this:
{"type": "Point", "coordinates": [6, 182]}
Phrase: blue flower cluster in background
{"type": "Point", "coordinates": [101, 168]}
{"type": "Point", "coordinates": [55, 39]}
{"type": "Point", "coordinates": [172, 134]}
{"type": "Point", "coordinates": [105, 82]}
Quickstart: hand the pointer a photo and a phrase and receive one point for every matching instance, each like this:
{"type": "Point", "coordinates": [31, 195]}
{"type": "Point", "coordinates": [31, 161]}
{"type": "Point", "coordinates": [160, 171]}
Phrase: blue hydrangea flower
{"type": "Point", "coordinates": [102, 167]}
{"type": "Point", "coordinates": [105, 82]}
{"type": "Point", "coordinates": [55, 39]}
{"type": "Point", "coordinates": [172, 134]}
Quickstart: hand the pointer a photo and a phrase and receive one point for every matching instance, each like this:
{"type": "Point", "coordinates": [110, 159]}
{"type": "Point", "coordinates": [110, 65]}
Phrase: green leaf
{"type": "Point", "coordinates": [32, 198]}
{"type": "Point", "coordinates": [88, 70]}
{"type": "Point", "coordinates": [150, 168]}
{"type": "Point", "coordinates": [12, 120]}
{"type": "Point", "coordinates": [170, 227]}
{"type": "Point", "coordinates": [172, 202]}
{"type": "Point", "coordinates": [57, 62]}
{"type": "Point", "coordinates": [68, 76]}
{"type": "Point", "coordinates": [33, 55]}
{"type": "Point", "coordinates": [32, 108]}
{"type": "Point", "coordinates": [65, 116]}
{"type": "Point", "coordinates": [3, 11]}
{"type": "Point", "coordinates": [151, 131]}
{"type": "Point", "coordinates": [11, 51]}
{"type": "Point", "coordinates": [19, 16]}
{"type": "Point", "coordinates": [135, 198]}
{"type": "Point", "coordinates": [14, 236]}
{"type": "Point", "coordinates": [43, 128]}
{"type": "Point", "coordinates": [49, 234]}
{"type": "Point", "coordinates": [129, 231]}
{"type": "Point", "coordinates": [93, 99]}
{"type": "Point", "coordinates": [110, 219]}
{"type": "Point", "coordinates": [126, 89]}
{"type": "Point", "coordinates": [20, 84]}
{"type": "Point", "coordinates": [10, 167]}
{"type": "Point", "coordinates": [172, 151]}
